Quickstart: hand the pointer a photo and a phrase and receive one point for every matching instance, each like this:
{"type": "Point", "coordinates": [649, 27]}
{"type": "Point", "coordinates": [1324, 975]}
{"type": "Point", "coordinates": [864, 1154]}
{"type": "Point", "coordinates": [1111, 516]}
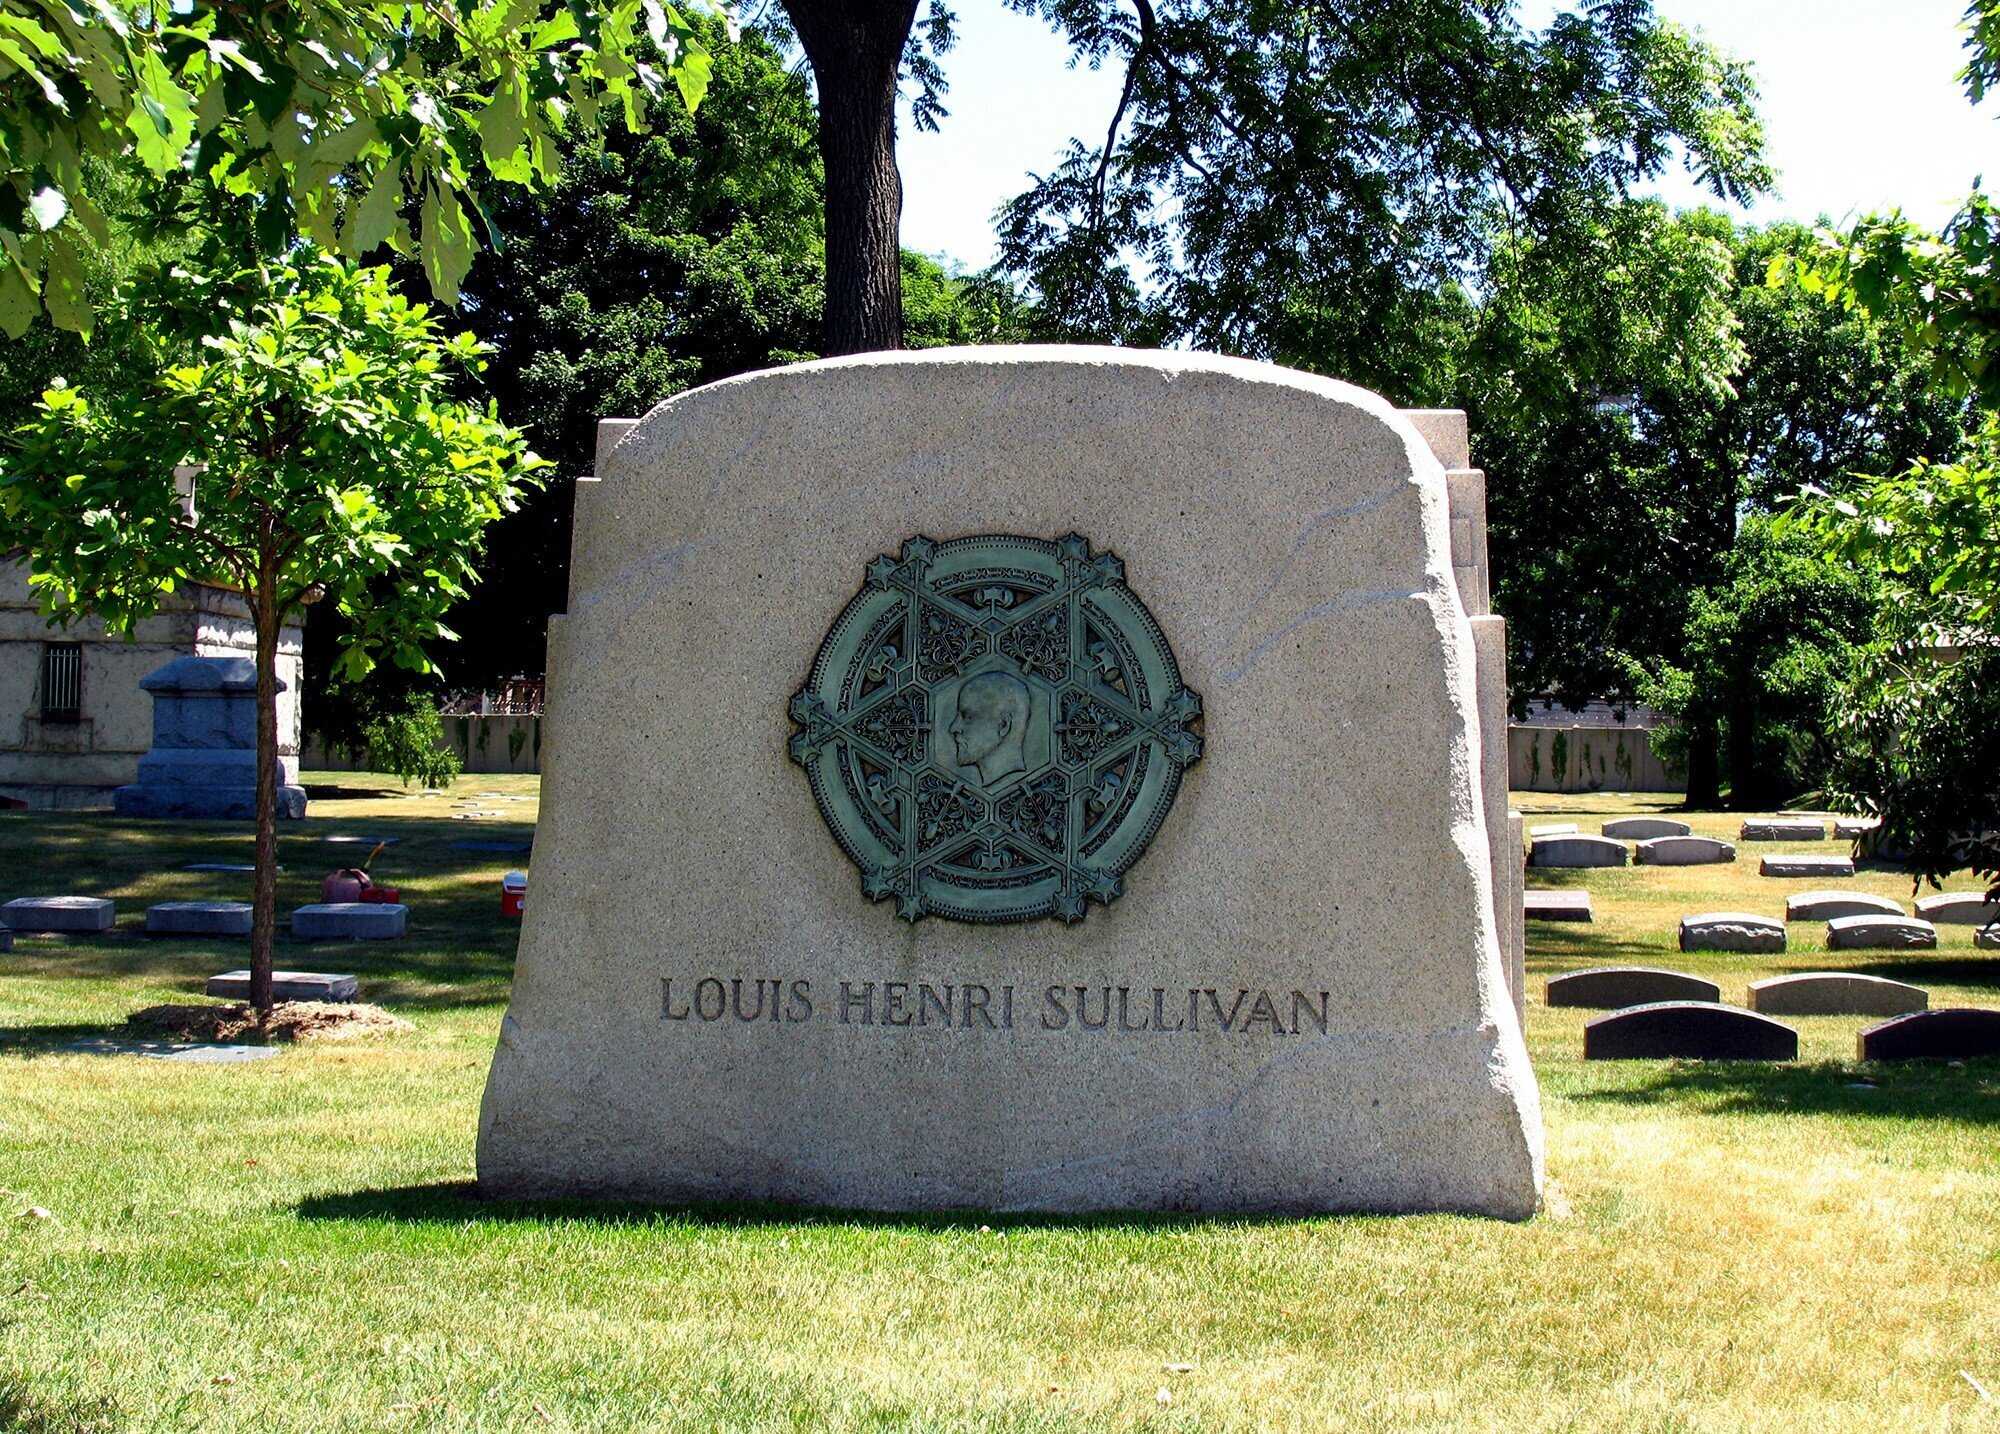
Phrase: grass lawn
{"type": "Point", "coordinates": [290, 1244]}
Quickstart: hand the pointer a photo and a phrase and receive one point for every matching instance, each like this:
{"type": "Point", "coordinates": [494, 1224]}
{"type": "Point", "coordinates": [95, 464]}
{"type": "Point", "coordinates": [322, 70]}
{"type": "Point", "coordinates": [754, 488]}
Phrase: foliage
{"type": "Point", "coordinates": [1922, 751]}
{"type": "Point", "coordinates": [1308, 184]}
{"type": "Point", "coordinates": [658, 263]}
{"type": "Point", "coordinates": [410, 744]}
{"type": "Point", "coordinates": [333, 115]}
{"type": "Point", "coordinates": [1767, 647]}
{"type": "Point", "coordinates": [333, 457]}
{"type": "Point", "coordinates": [1629, 395]}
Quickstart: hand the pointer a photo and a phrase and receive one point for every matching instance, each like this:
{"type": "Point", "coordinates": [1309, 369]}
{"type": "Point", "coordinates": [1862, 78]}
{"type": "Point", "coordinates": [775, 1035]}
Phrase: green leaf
{"type": "Point", "coordinates": [447, 240]}
{"type": "Point", "coordinates": [62, 289]}
{"type": "Point", "coordinates": [370, 221]}
{"type": "Point", "coordinates": [18, 305]}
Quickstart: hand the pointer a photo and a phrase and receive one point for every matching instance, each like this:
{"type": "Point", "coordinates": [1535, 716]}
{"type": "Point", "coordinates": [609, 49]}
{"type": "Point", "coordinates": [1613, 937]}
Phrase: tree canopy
{"type": "Point", "coordinates": [333, 116]}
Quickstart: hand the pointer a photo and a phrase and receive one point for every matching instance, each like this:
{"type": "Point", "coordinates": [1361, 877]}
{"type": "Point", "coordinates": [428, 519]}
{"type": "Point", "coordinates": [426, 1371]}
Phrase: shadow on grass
{"type": "Point", "coordinates": [457, 1202]}
{"type": "Point", "coordinates": [1943, 971]}
{"type": "Point", "coordinates": [337, 792]}
{"type": "Point", "coordinates": [1969, 1094]}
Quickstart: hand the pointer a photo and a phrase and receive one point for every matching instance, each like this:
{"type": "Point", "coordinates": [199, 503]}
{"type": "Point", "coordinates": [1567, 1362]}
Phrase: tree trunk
{"type": "Point", "coordinates": [856, 51]}
{"type": "Point", "coordinates": [264, 910]}
{"type": "Point", "coordinates": [1704, 765]}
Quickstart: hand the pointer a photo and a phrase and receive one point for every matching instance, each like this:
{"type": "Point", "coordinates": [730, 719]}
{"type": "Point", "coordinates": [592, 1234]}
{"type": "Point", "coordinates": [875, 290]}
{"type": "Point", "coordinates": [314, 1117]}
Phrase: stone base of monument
{"type": "Point", "coordinates": [972, 779]}
{"type": "Point", "coordinates": [203, 762]}
{"type": "Point", "coordinates": [198, 918]}
{"type": "Point", "coordinates": [286, 986]}
{"type": "Point", "coordinates": [1836, 993]}
{"type": "Point", "coordinates": [59, 914]}
{"type": "Point", "coordinates": [350, 921]}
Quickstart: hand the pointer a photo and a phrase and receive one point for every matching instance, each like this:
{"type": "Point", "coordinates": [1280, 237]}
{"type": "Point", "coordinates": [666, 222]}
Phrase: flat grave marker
{"type": "Point", "coordinates": [1556, 905]}
{"type": "Point", "coordinates": [1783, 829]}
{"type": "Point", "coordinates": [287, 986]}
{"type": "Point", "coordinates": [198, 918]}
{"type": "Point", "coordinates": [350, 921]}
{"type": "Point", "coordinates": [63, 914]}
{"type": "Point", "coordinates": [1798, 865]}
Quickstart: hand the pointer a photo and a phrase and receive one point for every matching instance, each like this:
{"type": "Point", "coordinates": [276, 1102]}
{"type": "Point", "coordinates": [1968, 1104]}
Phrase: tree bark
{"type": "Point", "coordinates": [1704, 765]}
{"type": "Point", "coordinates": [264, 910]}
{"type": "Point", "coordinates": [856, 51]}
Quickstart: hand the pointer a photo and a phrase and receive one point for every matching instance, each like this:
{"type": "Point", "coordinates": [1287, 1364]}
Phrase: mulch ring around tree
{"type": "Point", "coordinates": [290, 1021]}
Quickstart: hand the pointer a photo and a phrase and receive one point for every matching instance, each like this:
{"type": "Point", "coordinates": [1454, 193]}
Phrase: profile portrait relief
{"type": "Point", "coordinates": [990, 729]}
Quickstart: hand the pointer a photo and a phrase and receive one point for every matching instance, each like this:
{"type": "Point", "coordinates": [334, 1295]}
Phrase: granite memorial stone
{"type": "Point", "coordinates": [1796, 865]}
{"type": "Point", "coordinates": [1783, 829]}
{"type": "Point", "coordinates": [1731, 931]}
{"type": "Point", "coordinates": [1987, 938]}
{"type": "Point", "coordinates": [198, 918]}
{"type": "Point", "coordinates": [1835, 993]}
{"type": "Point", "coordinates": [1960, 1033]}
{"type": "Point", "coordinates": [203, 762]}
{"type": "Point", "coordinates": [1826, 905]}
{"type": "Point", "coordinates": [1959, 908]}
{"type": "Point", "coordinates": [1688, 1030]}
{"type": "Point", "coordinates": [1577, 850]}
{"type": "Point", "coordinates": [1645, 828]}
{"type": "Point", "coordinates": [1683, 851]}
{"type": "Point", "coordinates": [1025, 731]}
{"type": "Point", "coordinates": [1872, 931]}
{"type": "Point", "coordinates": [1556, 906]}
{"type": "Point", "coordinates": [287, 986]}
{"type": "Point", "coordinates": [350, 921]}
{"type": "Point", "coordinates": [59, 913]}
{"type": "Point", "coordinates": [1615, 987]}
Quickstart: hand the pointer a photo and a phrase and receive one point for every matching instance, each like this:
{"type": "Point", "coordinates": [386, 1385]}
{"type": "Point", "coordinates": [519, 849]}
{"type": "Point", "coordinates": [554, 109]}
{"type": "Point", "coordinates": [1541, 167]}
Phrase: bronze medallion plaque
{"type": "Point", "coordinates": [995, 728]}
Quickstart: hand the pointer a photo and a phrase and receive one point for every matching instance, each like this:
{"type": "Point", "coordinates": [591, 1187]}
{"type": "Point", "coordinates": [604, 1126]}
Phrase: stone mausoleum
{"type": "Point", "coordinates": [74, 720]}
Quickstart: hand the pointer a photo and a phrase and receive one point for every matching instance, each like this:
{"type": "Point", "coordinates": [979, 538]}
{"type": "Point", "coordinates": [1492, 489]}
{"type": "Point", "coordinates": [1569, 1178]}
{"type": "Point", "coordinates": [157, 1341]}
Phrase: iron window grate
{"type": "Point", "coordinates": [62, 681]}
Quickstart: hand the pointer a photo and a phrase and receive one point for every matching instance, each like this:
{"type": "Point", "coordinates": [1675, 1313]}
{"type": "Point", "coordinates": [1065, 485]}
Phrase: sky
{"type": "Point", "coordinates": [1860, 107]}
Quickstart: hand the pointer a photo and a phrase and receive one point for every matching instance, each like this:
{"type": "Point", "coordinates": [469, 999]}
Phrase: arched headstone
{"type": "Point", "coordinates": [1836, 993]}
{"type": "Point", "coordinates": [1954, 1034]}
{"type": "Point", "coordinates": [1688, 1030]}
{"type": "Point", "coordinates": [1615, 987]}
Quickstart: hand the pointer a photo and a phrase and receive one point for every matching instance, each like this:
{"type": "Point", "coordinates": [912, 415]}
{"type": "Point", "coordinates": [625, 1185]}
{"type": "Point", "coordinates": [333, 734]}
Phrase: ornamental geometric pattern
{"type": "Point", "coordinates": [995, 728]}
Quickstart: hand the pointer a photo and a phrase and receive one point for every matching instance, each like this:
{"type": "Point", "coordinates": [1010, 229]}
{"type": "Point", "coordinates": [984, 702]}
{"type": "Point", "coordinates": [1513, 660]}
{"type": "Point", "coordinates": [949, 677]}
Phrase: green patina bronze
{"type": "Point", "coordinates": [995, 728]}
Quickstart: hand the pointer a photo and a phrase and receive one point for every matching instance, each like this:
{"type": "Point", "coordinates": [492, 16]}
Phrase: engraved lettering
{"type": "Point", "coordinates": [979, 1005]}
{"type": "Point", "coordinates": [1083, 1009]}
{"type": "Point", "coordinates": [800, 1007]}
{"type": "Point", "coordinates": [1053, 999]}
{"type": "Point", "coordinates": [667, 1011]}
{"type": "Point", "coordinates": [1265, 1010]}
{"type": "Point", "coordinates": [864, 998]}
{"type": "Point", "coordinates": [1194, 1011]}
{"type": "Point", "coordinates": [1125, 1012]}
{"type": "Point", "coordinates": [1228, 1022]}
{"type": "Point", "coordinates": [928, 1000]}
{"type": "Point", "coordinates": [1300, 1000]}
{"type": "Point", "coordinates": [701, 992]}
{"type": "Point", "coordinates": [1006, 1008]}
{"type": "Point", "coordinates": [893, 995]}
{"type": "Point", "coordinates": [1160, 1011]}
{"type": "Point", "coordinates": [736, 1000]}
{"type": "Point", "coordinates": [777, 994]}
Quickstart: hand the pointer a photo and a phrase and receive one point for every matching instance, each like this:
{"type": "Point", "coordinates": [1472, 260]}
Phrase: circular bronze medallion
{"type": "Point", "coordinates": [994, 728]}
